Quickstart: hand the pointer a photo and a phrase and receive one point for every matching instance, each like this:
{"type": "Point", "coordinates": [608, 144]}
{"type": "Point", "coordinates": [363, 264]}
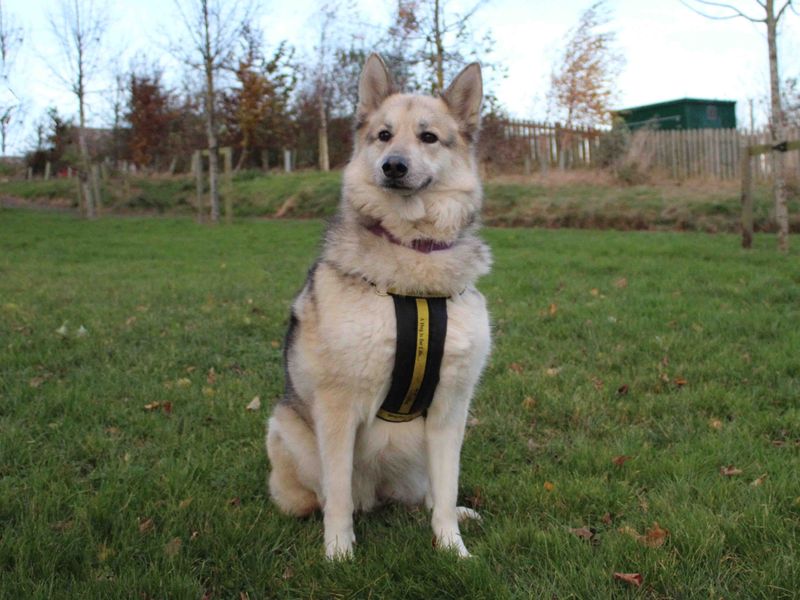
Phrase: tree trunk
{"type": "Point", "coordinates": [211, 130]}
{"type": "Point", "coordinates": [777, 130]}
{"type": "Point", "coordinates": [324, 158]}
{"type": "Point", "coordinates": [437, 37]}
{"type": "Point", "coordinates": [84, 150]}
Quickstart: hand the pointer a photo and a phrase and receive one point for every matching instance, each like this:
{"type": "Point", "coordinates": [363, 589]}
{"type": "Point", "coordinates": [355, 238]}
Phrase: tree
{"type": "Point", "coordinates": [11, 38]}
{"type": "Point", "coordinates": [149, 114]}
{"type": "Point", "coordinates": [791, 101]}
{"type": "Point", "coordinates": [256, 109]}
{"type": "Point", "coordinates": [583, 81]}
{"type": "Point", "coordinates": [771, 18]}
{"type": "Point", "coordinates": [79, 27]}
{"type": "Point", "coordinates": [429, 43]}
{"type": "Point", "coordinates": [211, 30]}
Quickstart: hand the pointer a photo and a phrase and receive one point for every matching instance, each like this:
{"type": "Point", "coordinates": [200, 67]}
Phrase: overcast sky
{"type": "Point", "coordinates": [670, 51]}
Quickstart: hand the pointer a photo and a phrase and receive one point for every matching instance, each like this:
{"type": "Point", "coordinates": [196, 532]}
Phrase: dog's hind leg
{"type": "Point", "coordinates": [294, 480]}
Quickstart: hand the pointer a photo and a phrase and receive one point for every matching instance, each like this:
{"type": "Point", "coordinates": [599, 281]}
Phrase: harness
{"type": "Point", "coordinates": [421, 332]}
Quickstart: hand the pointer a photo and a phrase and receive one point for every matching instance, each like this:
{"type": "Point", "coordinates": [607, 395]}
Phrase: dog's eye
{"type": "Point", "coordinates": [428, 137]}
{"type": "Point", "coordinates": [384, 136]}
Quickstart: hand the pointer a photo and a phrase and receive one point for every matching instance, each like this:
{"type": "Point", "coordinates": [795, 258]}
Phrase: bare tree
{"type": "Point", "coordinates": [79, 26]}
{"type": "Point", "coordinates": [769, 13]}
{"type": "Point", "coordinates": [583, 81]}
{"type": "Point", "coordinates": [11, 37]}
{"type": "Point", "coordinates": [211, 31]}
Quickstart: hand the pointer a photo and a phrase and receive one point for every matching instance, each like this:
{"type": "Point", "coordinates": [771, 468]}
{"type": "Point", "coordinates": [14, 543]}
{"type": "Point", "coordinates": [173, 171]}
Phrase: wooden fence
{"type": "Point", "coordinates": [548, 145]}
{"type": "Point", "coordinates": [679, 154]}
{"type": "Point", "coordinates": [707, 153]}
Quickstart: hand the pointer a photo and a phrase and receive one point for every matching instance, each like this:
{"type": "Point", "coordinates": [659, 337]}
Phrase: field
{"type": "Point", "coordinates": [638, 378]}
{"type": "Point", "coordinates": [586, 199]}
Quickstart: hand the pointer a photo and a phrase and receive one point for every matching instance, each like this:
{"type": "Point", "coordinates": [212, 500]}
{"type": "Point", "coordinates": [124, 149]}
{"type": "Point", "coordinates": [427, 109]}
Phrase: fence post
{"type": "Point", "coordinates": [197, 167]}
{"type": "Point", "coordinates": [47, 171]}
{"type": "Point", "coordinates": [747, 200]}
{"type": "Point", "coordinates": [287, 160]}
{"type": "Point", "coordinates": [227, 154]}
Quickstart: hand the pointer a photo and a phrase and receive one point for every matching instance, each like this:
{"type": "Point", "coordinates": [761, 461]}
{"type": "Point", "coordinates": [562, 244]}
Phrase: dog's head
{"type": "Point", "coordinates": [413, 167]}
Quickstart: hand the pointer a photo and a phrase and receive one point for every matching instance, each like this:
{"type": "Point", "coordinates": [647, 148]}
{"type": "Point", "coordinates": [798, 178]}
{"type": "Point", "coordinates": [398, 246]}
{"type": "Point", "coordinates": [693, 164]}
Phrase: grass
{"type": "Point", "coordinates": [587, 200]}
{"type": "Point", "coordinates": [677, 350]}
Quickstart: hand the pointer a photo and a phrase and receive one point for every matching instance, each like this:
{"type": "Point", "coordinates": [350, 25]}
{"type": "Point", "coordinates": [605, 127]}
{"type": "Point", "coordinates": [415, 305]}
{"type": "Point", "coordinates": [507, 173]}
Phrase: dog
{"type": "Point", "coordinates": [399, 264]}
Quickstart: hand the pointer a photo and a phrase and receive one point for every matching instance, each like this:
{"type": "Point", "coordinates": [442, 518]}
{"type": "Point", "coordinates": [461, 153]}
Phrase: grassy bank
{"type": "Point", "coordinates": [579, 200]}
{"type": "Point", "coordinates": [628, 370]}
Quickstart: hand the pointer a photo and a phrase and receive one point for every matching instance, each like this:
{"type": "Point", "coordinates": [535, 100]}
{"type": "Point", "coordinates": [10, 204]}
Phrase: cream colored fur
{"type": "Point", "coordinates": [327, 448]}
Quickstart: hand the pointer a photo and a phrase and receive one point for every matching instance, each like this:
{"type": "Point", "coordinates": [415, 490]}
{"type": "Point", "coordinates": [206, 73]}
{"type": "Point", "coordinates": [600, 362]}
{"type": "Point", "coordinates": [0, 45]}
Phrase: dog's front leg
{"type": "Point", "coordinates": [444, 440]}
{"type": "Point", "coordinates": [336, 431]}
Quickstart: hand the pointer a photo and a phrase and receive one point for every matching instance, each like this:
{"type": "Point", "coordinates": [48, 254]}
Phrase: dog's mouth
{"type": "Point", "coordinates": [424, 245]}
{"type": "Point", "coordinates": [404, 189]}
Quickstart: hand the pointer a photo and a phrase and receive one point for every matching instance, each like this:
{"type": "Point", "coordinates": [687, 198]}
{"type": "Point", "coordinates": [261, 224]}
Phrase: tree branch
{"type": "Point", "coordinates": [736, 12]}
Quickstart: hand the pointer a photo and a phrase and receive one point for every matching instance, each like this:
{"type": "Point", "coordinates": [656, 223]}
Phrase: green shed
{"type": "Point", "coordinates": [686, 113]}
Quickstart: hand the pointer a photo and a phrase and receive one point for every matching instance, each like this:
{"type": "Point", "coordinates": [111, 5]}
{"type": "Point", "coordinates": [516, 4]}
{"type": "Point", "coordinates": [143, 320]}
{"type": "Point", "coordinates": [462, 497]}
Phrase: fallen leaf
{"type": "Point", "coordinates": [62, 331]}
{"type": "Point", "coordinates": [152, 405]}
{"type": "Point", "coordinates": [194, 536]}
{"type": "Point", "coordinates": [516, 367]}
{"type": "Point", "coordinates": [146, 525]}
{"type": "Point", "coordinates": [632, 578]}
{"type": "Point", "coordinates": [584, 533]}
{"type": "Point", "coordinates": [655, 536]}
{"type": "Point", "coordinates": [529, 402]}
{"type": "Point", "coordinates": [715, 424]}
{"type": "Point", "coordinates": [473, 421]}
{"type": "Point", "coordinates": [288, 573]}
{"type": "Point", "coordinates": [211, 378]}
{"type": "Point", "coordinates": [553, 309]}
{"type": "Point", "coordinates": [185, 503]}
{"type": "Point", "coordinates": [553, 371]}
{"type": "Point", "coordinates": [730, 471]}
{"type": "Point", "coordinates": [594, 292]}
{"type": "Point", "coordinates": [549, 486]}
{"type": "Point", "coordinates": [112, 430]}
{"type": "Point", "coordinates": [130, 321]}
{"type": "Point", "coordinates": [167, 408]}
{"type": "Point", "coordinates": [475, 501]}
{"type": "Point", "coordinates": [103, 553]}
{"type": "Point", "coordinates": [208, 391]}
{"type": "Point", "coordinates": [621, 460]}
{"type": "Point", "coordinates": [606, 518]}
{"type": "Point", "coordinates": [235, 501]}
{"type": "Point", "coordinates": [623, 389]}
{"type": "Point", "coordinates": [35, 382]}
{"type": "Point", "coordinates": [62, 525]}
{"type": "Point", "coordinates": [183, 382]}
{"type": "Point", "coordinates": [680, 381]}
{"type": "Point", "coordinates": [173, 546]}
{"type": "Point", "coordinates": [275, 344]}
{"type": "Point", "coordinates": [665, 361]}
{"type": "Point", "coordinates": [759, 480]}
{"type": "Point", "coordinates": [82, 332]}
{"type": "Point", "coordinates": [598, 384]}
{"type": "Point", "coordinates": [621, 283]}
{"type": "Point", "coordinates": [254, 404]}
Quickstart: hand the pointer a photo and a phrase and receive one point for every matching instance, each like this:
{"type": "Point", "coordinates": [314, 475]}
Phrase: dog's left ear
{"type": "Point", "coordinates": [464, 98]}
{"type": "Point", "coordinates": [374, 86]}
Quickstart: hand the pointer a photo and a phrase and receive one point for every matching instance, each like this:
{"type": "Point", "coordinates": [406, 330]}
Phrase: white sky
{"type": "Point", "coordinates": [671, 52]}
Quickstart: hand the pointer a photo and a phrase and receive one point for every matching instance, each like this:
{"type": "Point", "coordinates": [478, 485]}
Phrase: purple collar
{"type": "Point", "coordinates": [426, 246]}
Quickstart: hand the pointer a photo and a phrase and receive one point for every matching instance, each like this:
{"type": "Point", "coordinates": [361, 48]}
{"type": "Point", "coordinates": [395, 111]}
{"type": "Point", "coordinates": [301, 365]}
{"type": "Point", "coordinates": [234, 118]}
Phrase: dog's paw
{"type": "Point", "coordinates": [339, 545]}
{"type": "Point", "coordinates": [463, 513]}
{"type": "Point", "coordinates": [452, 542]}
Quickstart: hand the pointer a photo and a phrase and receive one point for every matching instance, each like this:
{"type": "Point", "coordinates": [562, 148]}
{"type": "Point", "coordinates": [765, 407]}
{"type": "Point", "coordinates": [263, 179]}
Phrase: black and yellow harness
{"type": "Point", "coordinates": [421, 332]}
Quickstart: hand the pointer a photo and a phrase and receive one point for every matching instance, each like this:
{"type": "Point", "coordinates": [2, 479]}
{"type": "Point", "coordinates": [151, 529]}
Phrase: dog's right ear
{"type": "Point", "coordinates": [374, 86]}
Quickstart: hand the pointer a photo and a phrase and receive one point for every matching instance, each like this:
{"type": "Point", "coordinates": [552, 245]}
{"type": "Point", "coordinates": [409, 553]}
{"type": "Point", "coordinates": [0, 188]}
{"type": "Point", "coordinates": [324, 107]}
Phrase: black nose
{"type": "Point", "coordinates": [394, 167]}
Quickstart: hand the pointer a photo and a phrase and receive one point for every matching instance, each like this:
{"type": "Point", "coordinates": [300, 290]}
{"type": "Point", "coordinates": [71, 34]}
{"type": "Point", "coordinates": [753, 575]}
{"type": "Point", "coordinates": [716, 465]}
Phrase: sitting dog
{"type": "Point", "coordinates": [388, 337]}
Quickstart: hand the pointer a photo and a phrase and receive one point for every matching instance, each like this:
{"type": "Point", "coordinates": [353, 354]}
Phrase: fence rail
{"type": "Point", "coordinates": [680, 154]}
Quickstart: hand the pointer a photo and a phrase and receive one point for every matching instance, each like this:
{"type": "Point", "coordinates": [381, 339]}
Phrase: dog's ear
{"type": "Point", "coordinates": [374, 85]}
{"type": "Point", "coordinates": [464, 97]}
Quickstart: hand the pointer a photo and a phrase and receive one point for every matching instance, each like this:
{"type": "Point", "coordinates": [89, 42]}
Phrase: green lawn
{"type": "Point", "coordinates": [679, 351]}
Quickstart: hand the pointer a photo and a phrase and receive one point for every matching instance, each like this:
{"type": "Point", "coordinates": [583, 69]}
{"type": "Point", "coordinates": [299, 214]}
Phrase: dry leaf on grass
{"type": "Point", "coordinates": [516, 367]}
{"type": "Point", "coordinates": [632, 578]}
{"type": "Point", "coordinates": [680, 381]}
{"type": "Point", "coordinates": [594, 292]}
{"type": "Point", "coordinates": [254, 404]}
{"type": "Point", "coordinates": [553, 371]}
{"type": "Point", "coordinates": [586, 533]}
{"type": "Point", "coordinates": [211, 378]}
{"type": "Point", "coordinates": [173, 546]}
{"type": "Point", "coordinates": [152, 406]}
{"type": "Point", "coordinates": [549, 486]}
{"type": "Point", "coordinates": [607, 518]}
{"type": "Point", "coordinates": [729, 471]}
{"type": "Point", "coordinates": [621, 283]}
{"type": "Point", "coordinates": [759, 480]}
{"type": "Point", "coordinates": [275, 344]}
{"type": "Point", "coordinates": [146, 525]}
{"type": "Point", "coordinates": [621, 460]}
{"type": "Point", "coordinates": [185, 503]}
{"type": "Point", "coordinates": [715, 424]}
{"type": "Point", "coordinates": [529, 402]}
{"type": "Point", "coordinates": [623, 389]}
{"type": "Point", "coordinates": [553, 309]}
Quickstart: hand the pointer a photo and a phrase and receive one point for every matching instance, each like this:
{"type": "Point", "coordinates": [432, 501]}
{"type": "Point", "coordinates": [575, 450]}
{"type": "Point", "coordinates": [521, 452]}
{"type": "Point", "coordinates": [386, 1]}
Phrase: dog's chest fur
{"type": "Point", "coordinates": [349, 333]}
